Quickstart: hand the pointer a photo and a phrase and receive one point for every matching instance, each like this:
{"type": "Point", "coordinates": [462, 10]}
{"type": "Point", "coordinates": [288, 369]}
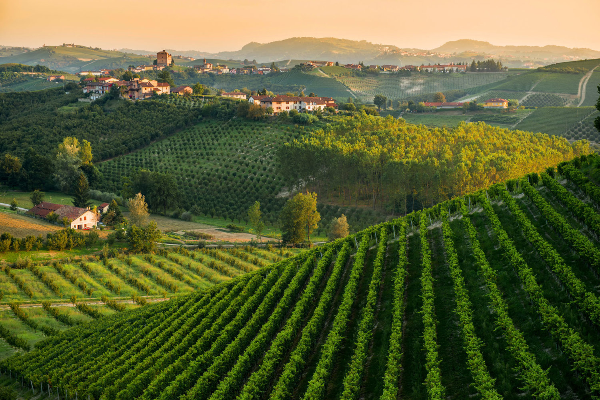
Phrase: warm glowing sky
{"type": "Point", "coordinates": [229, 24]}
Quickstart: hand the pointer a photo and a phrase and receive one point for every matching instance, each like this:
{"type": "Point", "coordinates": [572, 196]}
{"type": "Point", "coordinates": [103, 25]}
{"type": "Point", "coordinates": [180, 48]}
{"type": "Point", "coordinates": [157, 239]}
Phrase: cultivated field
{"type": "Point", "coordinates": [21, 226]}
{"type": "Point", "coordinates": [70, 286]}
{"type": "Point", "coordinates": [492, 295]}
{"type": "Point", "coordinates": [554, 120]}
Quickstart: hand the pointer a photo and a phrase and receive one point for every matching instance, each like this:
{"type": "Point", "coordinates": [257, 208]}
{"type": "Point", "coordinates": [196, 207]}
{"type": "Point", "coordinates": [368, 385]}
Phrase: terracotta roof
{"type": "Point", "coordinates": [162, 84]}
{"type": "Point", "coordinates": [180, 89]}
{"type": "Point", "coordinates": [438, 104]}
{"type": "Point", "coordinates": [44, 208]}
{"type": "Point", "coordinates": [103, 205]}
{"type": "Point", "coordinates": [495, 100]}
{"type": "Point", "coordinates": [70, 212]}
{"type": "Point", "coordinates": [233, 94]}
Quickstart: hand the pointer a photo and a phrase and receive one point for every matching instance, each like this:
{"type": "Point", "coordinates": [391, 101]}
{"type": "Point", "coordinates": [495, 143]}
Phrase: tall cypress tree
{"type": "Point", "coordinates": [81, 198]}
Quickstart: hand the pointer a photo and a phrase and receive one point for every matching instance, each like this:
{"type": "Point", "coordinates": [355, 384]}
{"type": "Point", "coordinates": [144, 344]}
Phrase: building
{"type": "Point", "coordinates": [93, 73]}
{"type": "Point", "coordinates": [443, 105]}
{"type": "Point", "coordinates": [163, 59]}
{"type": "Point", "coordinates": [98, 89]}
{"type": "Point", "coordinates": [353, 66]}
{"type": "Point", "coordinates": [234, 95]}
{"type": "Point", "coordinates": [103, 208]}
{"type": "Point", "coordinates": [182, 90]}
{"type": "Point", "coordinates": [256, 99]}
{"type": "Point", "coordinates": [289, 103]}
{"type": "Point", "coordinates": [390, 68]}
{"type": "Point", "coordinates": [55, 77]}
{"type": "Point", "coordinates": [144, 89]}
{"type": "Point", "coordinates": [444, 68]}
{"type": "Point", "coordinates": [107, 79]}
{"type": "Point", "coordinates": [495, 103]}
{"type": "Point", "coordinates": [204, 68]}
{"type": "Point", "coordinates": [80, 218]}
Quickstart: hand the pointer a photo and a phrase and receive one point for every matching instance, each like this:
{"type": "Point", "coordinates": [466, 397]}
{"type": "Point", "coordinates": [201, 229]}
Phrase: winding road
{"type": "Point", "coordinates": [583, 86]}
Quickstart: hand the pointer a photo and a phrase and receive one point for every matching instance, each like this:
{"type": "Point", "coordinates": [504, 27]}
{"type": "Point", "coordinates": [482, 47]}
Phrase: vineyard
{"type": "Point", "coordinates": [585, 129]}
{"type": "Point", "coordinates": [53, 296]}
{"type": "Point", "coordinates": [395, 87]}
{"type": "Point", "coordinates": [490, 295]}
{"type": "Point", "coordinates": [555, 120]}
{"type": "Point", "coordinates": [544, 100]}
{"type": "Point", "coordinates": [223, 168]}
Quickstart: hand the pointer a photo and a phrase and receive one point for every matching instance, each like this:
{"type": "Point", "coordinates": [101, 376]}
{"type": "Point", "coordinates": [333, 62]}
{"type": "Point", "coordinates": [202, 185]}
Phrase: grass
{"type": "Point", "coordinates": [23, 198]}
{"type": "Point", "coordinates": [544, 100]}
{"type": "Point", "coordinates": [554, 120]}
{"type": "Point", "coordinates": [21, 226]}
{"type": "Point", "coordinates": [591, 95]}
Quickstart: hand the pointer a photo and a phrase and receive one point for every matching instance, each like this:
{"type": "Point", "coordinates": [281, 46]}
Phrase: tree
{"type": "Point", "coordinates": [439, 97]}
{"type": "Point", "coordinates": [113, 215]}
{"type": "Point", "coordinates": [14, 205]}
{"type": "Point", "coordinates": [143, 240]}
{"type": "Point", "coordinates": [85, 153]}
{"type": "Point", "coordinates": [37, 197]}
{"type": "Point", "coordinates": [159, 190]}
{"type": "Point", "coordinates": [67, 163]}
{"type": "Point", "coordinates": [138, 210]}
{"type": "Point", "coordinates": [81, 197]}
{"type": "Point", "coordinates": [165, 77]}
{"type": "Point", "coordinates": [380, 101]}
{"type": "Point", "coordinates": [300, 217]}
{"type": "Point", "coordinates": [198, 88]}
{"type": "Point", "coordinates": [255, 219]}
{"type": "Point", "coordinates": [339, 228]}
{"type": "Point", "coordinates": [127, 76]}
{"type": "Point", "coordinates": [10, 168]}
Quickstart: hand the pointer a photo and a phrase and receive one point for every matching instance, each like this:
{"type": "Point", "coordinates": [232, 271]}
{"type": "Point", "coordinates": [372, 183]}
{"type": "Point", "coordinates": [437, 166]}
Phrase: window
{"type": "Point", "coordinates": [85, 218]}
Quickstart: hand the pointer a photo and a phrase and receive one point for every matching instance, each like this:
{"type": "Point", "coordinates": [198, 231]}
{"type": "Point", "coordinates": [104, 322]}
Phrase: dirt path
{"type": "Point", "coordinates": [91, 303]}
{"type": "Point", "coordinates": [530, 91]}
{"type": "Point", "coordinates": [583, 86]}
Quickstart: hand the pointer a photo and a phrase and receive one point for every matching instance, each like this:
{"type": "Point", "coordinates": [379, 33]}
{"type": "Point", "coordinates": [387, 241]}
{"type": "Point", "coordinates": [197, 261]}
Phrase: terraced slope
{"type": "Point", "coordinates": [54, 296]}
{"type": "Point", "coordinates": [491, 295]}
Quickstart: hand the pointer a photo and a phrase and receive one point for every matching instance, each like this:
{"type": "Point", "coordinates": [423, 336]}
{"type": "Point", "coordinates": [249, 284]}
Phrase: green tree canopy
{"type": "Point", "coordinates": [300, 217]}
{"type": "Point", "coordinates": [81, 195]}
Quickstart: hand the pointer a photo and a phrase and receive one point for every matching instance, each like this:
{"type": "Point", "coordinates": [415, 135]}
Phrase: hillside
{"type": "Point", "coordinates": [73, 291]}
{"type": "Point", "coordinates": [76, 59]}
{"type": "Point", "coordinates": [473, 297]}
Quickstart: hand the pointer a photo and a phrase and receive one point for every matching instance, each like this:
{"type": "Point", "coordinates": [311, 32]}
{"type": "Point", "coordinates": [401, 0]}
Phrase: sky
{"type": "Point", "coordinates": [214, 26]}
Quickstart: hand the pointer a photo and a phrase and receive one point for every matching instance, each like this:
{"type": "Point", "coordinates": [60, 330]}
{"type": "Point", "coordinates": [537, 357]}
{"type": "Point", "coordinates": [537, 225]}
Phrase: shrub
{"type": "Point", "coordinates": [235, 228]}
{"type": "Point", "coordinates": [186, 216]}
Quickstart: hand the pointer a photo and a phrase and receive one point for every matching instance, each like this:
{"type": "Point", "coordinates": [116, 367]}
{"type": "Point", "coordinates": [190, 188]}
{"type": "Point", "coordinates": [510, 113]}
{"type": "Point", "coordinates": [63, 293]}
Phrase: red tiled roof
{"type": "Point", "coordinates": [103, 205]}
{"type": "Point", "coordinates": [162, 84]}
{"type": "Point", "coordinates": [70, 212]}
{"type": "Point", "coordinates": [44, 208]}
{"type": "Point", "coordinates": [495, 100]}
{"type": "Point", "coordinates": [438, 104]}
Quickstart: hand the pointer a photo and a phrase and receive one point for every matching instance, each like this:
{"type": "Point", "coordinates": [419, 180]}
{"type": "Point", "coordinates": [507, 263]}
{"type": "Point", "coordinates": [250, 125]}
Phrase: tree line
{"type": "Point", "coordinates": [391, 164]}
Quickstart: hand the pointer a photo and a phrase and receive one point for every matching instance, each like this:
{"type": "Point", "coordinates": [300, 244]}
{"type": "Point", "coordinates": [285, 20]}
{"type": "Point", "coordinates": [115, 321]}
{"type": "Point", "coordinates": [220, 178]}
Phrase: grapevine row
{"type": "Point", "coordinates": [113, 304]}
{"type": "Point", "coordinates": [484, 383]}
{"type": "Point", "coordinates": [71, 277]}
{"type": "Point", "coordinates": [48, 281]}
{"type": "Point", "coordinates": [392, 370]}
{"type": "Point", "coordinates": [578, 178]}
{"type": "Point", "coordinates": [279, 346]}
{"type": "Point", "coordinates": [533, 376]}
{"type": "Point", "coordinates": [433, 381]}
{"type": "Point", "coordinates": [20, 282]}
{"type": "Point", "coordinates": [132, 280]}
{"type": "Point", "coordinates": [86, 309]}
{"type": "Point", "coordinates": [587, 301]}
{"type": "Point", "coordinates": [204, 371]}
{"type": "Point", "coordinates": [318, 382]}
{"type": "Point", "coordinates": [576, 348]}
{"type": "Point", "coordinates": [180, 374]}
{"type": "Point", "coordinates": [31, 323]}
{"type": "Point", "coordinates": [288, 379]}
{"type": "Point", "coordinates": [583, 211]}
{"type": "Point", "coordinates": [571, 235]}
{"type": "Point", "coordinates": [64, 318]}
{"type": "Point", "coordinates": [199, 340]}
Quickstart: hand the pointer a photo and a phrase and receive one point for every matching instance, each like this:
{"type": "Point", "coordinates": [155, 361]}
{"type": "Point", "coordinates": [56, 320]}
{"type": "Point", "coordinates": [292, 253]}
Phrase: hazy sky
{"type": "Point", "coordinates": [229, 24]}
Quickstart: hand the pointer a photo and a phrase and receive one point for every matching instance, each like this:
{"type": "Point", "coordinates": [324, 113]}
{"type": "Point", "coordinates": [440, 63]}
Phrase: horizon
{"type": "Point", "coordinates": [217, 28]}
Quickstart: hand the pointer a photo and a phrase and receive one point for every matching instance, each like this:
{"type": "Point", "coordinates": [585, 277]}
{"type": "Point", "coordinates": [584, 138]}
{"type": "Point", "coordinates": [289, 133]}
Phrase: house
{"type": "Point", "coordinates": [444, 68]}
{"type": "Point", "coordinates": [204, 68]}
{"type": "Point", "coordinates": [353, 66]}
{"type": "Point", "coordinates": [55, 77]}
{"type": "Point", "coordinates": [80, 218]}
{"type": "Point", "coordinates": [322, 63]}
{"type": "Point", "coordinates": [140, 89]}
{"type": "Point", "coordinates": [288, 103]}
{"type": "Point", "coordinates": [163, 59]}
{"type": "Point", "coordinates": [443, 105]}
{"type": "Point", "coordinates": [495, 103]}
{"type": "Point", "coordinates": [182, 90]}
{"type": "Point", "coordinates": [107, 79]}
{"type": "Point", "coordinates": [390, 68]}
{"type": "Point", "coordinates": [93, 73]}
{"type": "Point", "coordinates": [99, 88]}
{"type": "Point", "coordinates": [234, 95]}
{"type": "Point", "coordinates": [103, 208]}
{"type": "Point", "coordinates": [256, 99]}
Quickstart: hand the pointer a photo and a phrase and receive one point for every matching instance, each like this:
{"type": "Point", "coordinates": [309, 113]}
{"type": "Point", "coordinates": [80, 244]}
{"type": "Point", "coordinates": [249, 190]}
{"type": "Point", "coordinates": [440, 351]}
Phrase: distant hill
{"type": "Point", "coordinates": [75, 59]}
{"type": "Point", "coordinates": [551, 52]}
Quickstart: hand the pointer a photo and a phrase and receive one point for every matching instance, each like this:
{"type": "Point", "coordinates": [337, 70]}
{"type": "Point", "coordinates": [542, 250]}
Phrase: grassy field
{"type": "Point", "coordinates": [75, 280]}
{"type": "Point", "coordinates": [21, 226]}
{"type": "Point", "coordinates": [32, 84]}
{"type": "Point", "coordinates": [23, 198]}
{"type": "Point", "coordinates": [465, 298]}
{"type": "Point", "coordinates": [554, 120]}
{"type": "Point", "coordinates": [395, 87]}
{"type": "Point", "coordinates": [592, 93]}
{"type": "Point", "coordinates": [453, 118]}
{"type": "Point", "coordinates": [544, 100]}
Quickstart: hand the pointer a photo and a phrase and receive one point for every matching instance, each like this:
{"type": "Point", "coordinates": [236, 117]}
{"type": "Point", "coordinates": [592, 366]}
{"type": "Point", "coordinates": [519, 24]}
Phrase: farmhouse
{"type": "Point", "coordinates": [103, 208]}
{"type": "Point", "coordinates": [444, 68]}
{"type": "Point", "coordinates": [163, 59]}
{"type": "Point", "coordinates": [288, 103]}
{"type": "Point", "coordinates": [353, 66]}
{"type": "Point", "coordinates": [390, 68]}
{"type": "Point", "coordinates": [144, 89]}
{"type": "Point", "coordinates": [256, 99]}
{"type": "Point", "coordinates": [495, 103]}
{"type": "Point", "coordinates": [443, 105]}
{"type": "Point", "coordinates": [182, 90]}
{"type": "Point", "coordinates": [234, 95]}
{"type": "Point", "coordinates": [80, 218]}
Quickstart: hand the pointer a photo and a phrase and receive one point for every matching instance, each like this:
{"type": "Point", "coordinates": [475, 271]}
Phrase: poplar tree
{"type": "Point", "coordinates": [81, 197]}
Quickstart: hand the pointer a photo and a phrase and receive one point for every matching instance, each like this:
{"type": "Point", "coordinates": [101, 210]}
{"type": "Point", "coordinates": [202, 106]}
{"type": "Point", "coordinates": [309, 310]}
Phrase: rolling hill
{"type": "Point", "coordinates": [474, 297]}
